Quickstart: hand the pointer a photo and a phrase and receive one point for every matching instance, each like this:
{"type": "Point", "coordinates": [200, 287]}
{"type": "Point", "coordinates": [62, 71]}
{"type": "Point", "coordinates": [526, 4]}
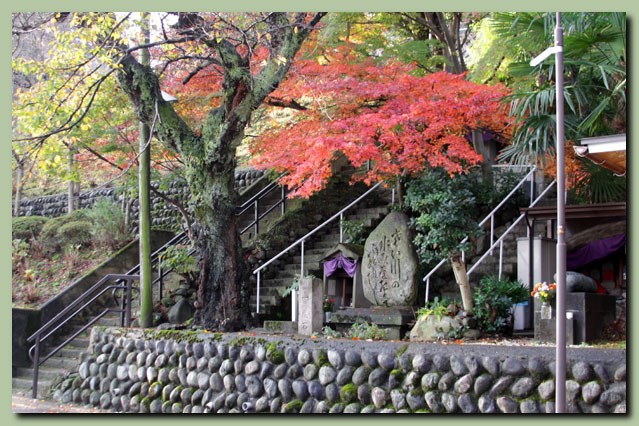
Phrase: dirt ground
{"type": "Point", "coordinates": [24, 406]}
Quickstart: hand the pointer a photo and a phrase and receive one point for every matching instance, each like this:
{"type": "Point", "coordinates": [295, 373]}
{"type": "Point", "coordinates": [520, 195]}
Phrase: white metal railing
{"type": "Point", "coordinates": [301, 241]}
{"type": "Point", "coordinates": [491, 216]}
{"type": "Point", "coordinates": [500, 240]}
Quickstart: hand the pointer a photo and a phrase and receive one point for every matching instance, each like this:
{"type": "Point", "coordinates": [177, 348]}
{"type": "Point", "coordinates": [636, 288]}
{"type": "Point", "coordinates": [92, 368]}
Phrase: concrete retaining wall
{"type": "Point", "coordinates": [168, 371]}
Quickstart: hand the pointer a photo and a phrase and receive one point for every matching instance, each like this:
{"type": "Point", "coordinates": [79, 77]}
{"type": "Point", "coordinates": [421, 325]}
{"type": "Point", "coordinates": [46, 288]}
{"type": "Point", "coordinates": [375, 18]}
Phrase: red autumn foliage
{"type": "Point", "coordinates": [368, 111]}
{"type": "Point", "coordinates": [402, 123]}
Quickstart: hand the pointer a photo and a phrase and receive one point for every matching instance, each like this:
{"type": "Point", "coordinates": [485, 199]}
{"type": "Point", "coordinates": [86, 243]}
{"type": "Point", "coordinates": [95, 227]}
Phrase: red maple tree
{"type": "Point", "coordinates": [381, 113]}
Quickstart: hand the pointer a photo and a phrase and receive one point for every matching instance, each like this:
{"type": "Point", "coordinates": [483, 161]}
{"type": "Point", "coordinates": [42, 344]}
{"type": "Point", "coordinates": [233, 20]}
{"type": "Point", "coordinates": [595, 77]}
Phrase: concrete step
{"type": "Point", "coordinates": [277, 283]}
{"type": "Point", "coordinates": [109, 320]}
{"type": "Point", "coordinates": [69, 352]}
{"type": "Point", "coordinates": [22, 386]}
{"type": "Point", "coordinates": [62, 362]}
{"type": "Point", "coordinates": [327, 243]}
{"type": "Point", "coordinates": [315, 252]}
{"type": "Point", "coordinates": [265, 301]}
{"type": "Point", "coordinates": [271, 291]}
{"type": "Point", "coordinates": [80, 342]}
{"type": "Point", "coordinates": [45, 373]}
{"type": "Point", "coordinates": [366, 220]}
{"type": "Point", "coordinates": [315, 258]}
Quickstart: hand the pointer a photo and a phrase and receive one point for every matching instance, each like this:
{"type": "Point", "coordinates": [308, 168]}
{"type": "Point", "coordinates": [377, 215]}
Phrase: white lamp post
{"type": "Point", "coordinates": [560, 334]}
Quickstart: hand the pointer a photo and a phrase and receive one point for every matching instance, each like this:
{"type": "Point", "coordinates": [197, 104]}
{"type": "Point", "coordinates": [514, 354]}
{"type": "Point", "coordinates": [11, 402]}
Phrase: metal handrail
{"type": "Point", "coordinates": [301, 241]}
{"type": "Point", "coordinates": [255, 203]}
{"type": "Point", "coordinates": [123, 282]}
{"type": "Point", "coordinates": [491, 216]}
{"type": "Point", "coordinates": [182, 237]}
{"type": "Point", "coordinates": [500, 240]}
{"type": "Point", "coordinates": [66, 315]}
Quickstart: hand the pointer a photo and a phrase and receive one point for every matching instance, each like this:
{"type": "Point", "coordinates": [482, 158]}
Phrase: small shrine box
{"type": "Point", "coordinates": [343, 276]}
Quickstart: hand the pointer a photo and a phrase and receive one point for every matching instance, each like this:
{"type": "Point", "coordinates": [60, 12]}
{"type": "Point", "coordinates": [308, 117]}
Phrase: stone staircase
{"type": "Point", "coordinates": [55, 368]}
{"type": "Point", "coordinates": [490, 264]}
{"type": "Point", "coordinates": [283, 271]}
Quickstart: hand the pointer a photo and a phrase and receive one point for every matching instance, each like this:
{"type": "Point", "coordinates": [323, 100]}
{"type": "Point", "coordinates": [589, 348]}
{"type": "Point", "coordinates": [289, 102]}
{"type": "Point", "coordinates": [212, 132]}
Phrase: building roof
{"type": "Point", "coordinates": [606, 151]}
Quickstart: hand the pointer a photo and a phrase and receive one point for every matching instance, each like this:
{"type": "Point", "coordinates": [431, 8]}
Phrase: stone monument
{"type": "Point", "coordinates": [389, 280]}
{"type": "Point", "coordinates": [311, 314]}
{"type": "Point", "coordinates": [389, 266]}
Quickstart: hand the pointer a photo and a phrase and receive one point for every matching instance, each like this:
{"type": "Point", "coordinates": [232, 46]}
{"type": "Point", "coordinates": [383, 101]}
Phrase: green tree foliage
{"type": "Point", "coordinates": [446, 210]}
{"type": "Point", "coordinates": [432, 41]}
{"type": "Point", "coordinates": [595, 78]}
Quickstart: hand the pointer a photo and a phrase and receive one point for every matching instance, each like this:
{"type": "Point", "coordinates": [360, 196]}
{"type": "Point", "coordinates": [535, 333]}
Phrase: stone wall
{"type": "Point", "coordinates": [170, 371]}
{"type": "Point", "coordinates": [163, 214]}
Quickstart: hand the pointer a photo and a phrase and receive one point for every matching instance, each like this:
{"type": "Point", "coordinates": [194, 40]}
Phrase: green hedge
{"type": "Point", "coordinates": [27, 227]}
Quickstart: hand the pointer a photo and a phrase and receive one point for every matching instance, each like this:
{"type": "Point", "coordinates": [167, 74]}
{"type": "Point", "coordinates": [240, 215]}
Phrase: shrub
{"type": "Point", "coordinates": [178, 259]}
{"type": "Point", "coordinates": [27, 227]}
{"type": "Point", "coordinates": [109, 224]}
{"type": "Point", "coordinates": [440, 308]}
{"type": "Point", "coordinates": [444, 307]}
{"type": "Point", "coordinates": [76, 233]}
{"type": "Point", "coordinates": [355, 231]}
{"type": "Point", "coordinates": [366, 331]}
{"type": "Point", "coordinates": [494, 300]}
{"type": "Point", "coordinates": [49, 235]}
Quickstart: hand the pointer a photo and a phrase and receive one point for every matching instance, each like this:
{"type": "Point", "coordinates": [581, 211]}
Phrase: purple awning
{"type": "Point", "coordinates": [340, 261]}
{"type": "Point", "coordinates": [594, 251]}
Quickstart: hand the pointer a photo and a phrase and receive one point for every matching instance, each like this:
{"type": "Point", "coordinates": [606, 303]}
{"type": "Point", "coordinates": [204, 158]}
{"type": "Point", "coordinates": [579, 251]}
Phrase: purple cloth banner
{"type": "Point", "coordinates": [594, 251]}
{"type": "Point", "coordinates": [340, 261]}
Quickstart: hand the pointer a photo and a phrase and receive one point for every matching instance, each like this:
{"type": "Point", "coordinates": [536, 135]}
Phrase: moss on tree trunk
{"type": "Point", "coordinates": [223, 293]}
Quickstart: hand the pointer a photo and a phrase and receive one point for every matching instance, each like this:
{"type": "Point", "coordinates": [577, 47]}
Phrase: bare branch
{"type": "Point", "coordinates": [284, 103]}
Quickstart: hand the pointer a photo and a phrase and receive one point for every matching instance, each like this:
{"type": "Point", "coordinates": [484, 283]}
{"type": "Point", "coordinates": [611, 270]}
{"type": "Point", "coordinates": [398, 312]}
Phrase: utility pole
{"type": "Point", "coordinates": [144, 212]}
{"type": "Point", "coordinates": [560, 374]}
{"type": "Point", "coordinates": [560, 325]}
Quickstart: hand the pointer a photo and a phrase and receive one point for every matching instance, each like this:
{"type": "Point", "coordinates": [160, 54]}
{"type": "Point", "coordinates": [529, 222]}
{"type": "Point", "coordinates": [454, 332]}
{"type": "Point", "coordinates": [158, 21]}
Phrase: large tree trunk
{"type": "Point", "coordinates": [461, 277]}
{"type": "Point", "coordinates": [223, 293]}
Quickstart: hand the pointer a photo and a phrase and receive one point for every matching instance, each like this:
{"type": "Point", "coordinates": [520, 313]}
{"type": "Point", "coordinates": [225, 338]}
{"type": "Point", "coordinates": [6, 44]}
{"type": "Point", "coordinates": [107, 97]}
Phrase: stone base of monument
{"type": "Point", "coordinates": [395, 320]}
{"type": "Point", "coordinates": [280, 326]}
{"type": "Point", "coordinates": [589, 314]}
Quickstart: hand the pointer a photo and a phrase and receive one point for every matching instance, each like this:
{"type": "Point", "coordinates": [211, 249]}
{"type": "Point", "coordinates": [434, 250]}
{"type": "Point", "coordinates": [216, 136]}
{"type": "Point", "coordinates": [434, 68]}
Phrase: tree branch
{"type": "Point", "coordinates": [284, 103]}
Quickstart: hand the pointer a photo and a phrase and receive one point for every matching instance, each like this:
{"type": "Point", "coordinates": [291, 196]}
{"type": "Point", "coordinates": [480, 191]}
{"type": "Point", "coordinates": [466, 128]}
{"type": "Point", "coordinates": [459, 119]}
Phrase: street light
{"type": "Point", "coordinates": [167, 97]}
{"type": "Point", "coordinates": [560, 333]}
